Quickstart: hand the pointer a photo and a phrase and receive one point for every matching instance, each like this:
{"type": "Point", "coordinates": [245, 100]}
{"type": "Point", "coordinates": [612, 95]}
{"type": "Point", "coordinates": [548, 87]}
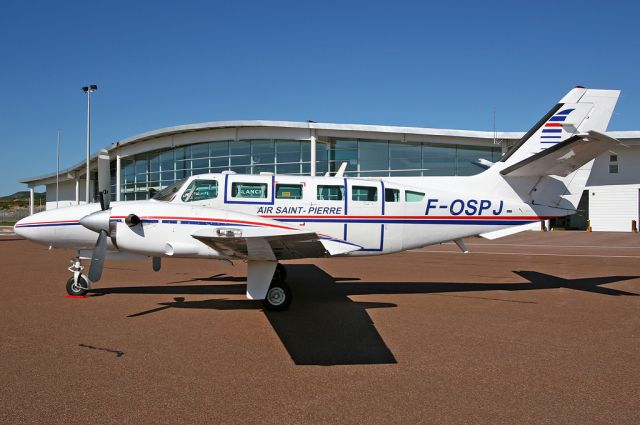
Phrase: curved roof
{"type": "Point", "coordinates": [190, 128]}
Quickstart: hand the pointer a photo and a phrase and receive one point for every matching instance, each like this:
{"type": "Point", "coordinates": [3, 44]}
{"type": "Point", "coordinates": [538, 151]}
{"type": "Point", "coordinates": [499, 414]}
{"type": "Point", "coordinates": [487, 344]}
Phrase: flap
{"type": "Point", "coordinates": [267, 248]}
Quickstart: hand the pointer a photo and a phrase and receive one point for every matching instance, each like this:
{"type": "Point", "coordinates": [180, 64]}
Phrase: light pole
{"type": "Point", "coordinates": [58, 168]}
{"type": "Point", "coordinates": [88, 90]}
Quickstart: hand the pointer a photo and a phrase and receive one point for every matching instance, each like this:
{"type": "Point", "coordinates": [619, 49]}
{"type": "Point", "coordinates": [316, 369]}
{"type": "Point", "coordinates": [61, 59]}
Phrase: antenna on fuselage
{"type": "Point", "coordinates": [339, 173]}
{"type": "Point", "coordinates": [495, 133]}
{"type": "Point", "coordinates": [341, 170]}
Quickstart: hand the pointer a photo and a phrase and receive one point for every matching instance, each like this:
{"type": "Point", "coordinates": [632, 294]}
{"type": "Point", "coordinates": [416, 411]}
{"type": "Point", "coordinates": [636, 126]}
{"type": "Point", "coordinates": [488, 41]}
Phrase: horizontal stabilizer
{"type": "Point", "coordinates": [563, 158]}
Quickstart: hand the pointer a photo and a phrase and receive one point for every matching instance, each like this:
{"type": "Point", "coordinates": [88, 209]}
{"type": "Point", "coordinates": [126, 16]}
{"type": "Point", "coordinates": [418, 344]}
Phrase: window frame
{"type": "Point", "coordinates": [298, 185]}
{"type": "Point", "coordinates": [414, 192]}
{"type": "Point", "coordinates": [354, 188]}
{"type": "Point", "coordinates": [396, 191]}
{"type": "Point", "coordinates": [337, 186]}
{"type": "Point", "coordinates": [261, 184]}
{"type": "Point", "coordinates": [194, 183]}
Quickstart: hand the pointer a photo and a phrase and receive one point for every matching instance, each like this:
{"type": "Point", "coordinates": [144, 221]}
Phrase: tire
{"type": "Point", "coordinates": [279, 296]}
{"type": "Point", "coordinates": [77, 290]}
{"type": "Point", "coordinates": [280, 273]}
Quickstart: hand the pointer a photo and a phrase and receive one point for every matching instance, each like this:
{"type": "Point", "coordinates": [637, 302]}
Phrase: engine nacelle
{"type": "Point", "coordinates": [153, 229]}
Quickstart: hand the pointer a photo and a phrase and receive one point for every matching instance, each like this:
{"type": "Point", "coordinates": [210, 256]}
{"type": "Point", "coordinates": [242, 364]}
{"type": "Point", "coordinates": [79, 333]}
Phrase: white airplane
{"type": "Point", "coordinates": [264, 219]}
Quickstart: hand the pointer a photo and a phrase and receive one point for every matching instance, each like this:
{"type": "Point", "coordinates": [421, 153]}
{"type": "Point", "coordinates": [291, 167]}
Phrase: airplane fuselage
{"type": "Point", "coordinates": [375, 216]}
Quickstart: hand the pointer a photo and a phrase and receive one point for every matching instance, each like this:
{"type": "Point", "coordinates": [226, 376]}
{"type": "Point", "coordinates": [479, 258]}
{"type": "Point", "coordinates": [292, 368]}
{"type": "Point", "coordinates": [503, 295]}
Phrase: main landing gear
{"type": "Point", "coordinates": [78, 284]}
{"type": "Point", "coordinates": [279, 295]}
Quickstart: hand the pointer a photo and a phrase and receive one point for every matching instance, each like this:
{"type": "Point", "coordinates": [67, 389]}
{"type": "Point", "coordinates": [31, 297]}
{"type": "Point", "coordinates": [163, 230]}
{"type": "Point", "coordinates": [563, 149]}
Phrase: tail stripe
{"type": "Point", "coordinates": [532, 131]}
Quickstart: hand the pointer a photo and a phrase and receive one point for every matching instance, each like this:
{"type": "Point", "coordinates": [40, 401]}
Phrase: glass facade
{"type": "Point", "coordinates": [155, 170]}
{"type": "Point", "coordinates": [367, 158]}
{"type": "Point", "coordinates": [158, 169]}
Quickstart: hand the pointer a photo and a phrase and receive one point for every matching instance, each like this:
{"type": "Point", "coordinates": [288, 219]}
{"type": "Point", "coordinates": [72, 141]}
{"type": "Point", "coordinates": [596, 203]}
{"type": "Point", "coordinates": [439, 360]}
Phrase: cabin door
{"type": "Point", "coordinates": [364, 213]}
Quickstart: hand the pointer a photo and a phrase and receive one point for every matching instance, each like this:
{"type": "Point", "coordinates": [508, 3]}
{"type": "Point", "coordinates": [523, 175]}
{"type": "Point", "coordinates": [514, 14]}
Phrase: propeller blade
{"type": "Point", "coordinates": [104, 179]}
{"type": "Point", "coordinates": [97, 259]}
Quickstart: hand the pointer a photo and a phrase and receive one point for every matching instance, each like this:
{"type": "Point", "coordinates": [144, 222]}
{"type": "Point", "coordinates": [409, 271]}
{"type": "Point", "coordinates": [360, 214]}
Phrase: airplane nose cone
{"type": "Point", "coordinates": [18, 229]}
{"type": "Point", "coordinates": [97, 221]}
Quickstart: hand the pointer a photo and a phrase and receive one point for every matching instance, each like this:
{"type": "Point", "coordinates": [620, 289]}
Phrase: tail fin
{"type": "Point", "coordinates": [550, 165]}
{"type": "Point", "coordinates": [578, 112]}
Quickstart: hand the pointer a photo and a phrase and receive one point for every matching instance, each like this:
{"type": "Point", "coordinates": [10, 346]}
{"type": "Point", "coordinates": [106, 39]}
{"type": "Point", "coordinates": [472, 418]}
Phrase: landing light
{"type": "Point", "coordinates": [228, 233]}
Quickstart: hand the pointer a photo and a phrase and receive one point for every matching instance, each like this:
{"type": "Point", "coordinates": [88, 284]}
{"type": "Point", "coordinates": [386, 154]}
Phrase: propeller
{"type": "Point", "coordinates": [104, 179]}
{"type": "Point", "coordinates": [99, 221]}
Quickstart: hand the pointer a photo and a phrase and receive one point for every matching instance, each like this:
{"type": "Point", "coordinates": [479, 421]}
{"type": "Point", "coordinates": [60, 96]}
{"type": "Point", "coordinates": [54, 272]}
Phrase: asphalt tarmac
{"type": "Point", "coordinates": [534, 328]}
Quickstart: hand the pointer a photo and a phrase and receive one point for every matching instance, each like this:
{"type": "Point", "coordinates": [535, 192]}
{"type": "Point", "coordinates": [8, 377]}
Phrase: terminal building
{"type": "Point", "coordinates": [151, 161]}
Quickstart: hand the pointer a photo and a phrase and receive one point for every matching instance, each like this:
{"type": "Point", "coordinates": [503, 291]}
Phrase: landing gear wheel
{"type": "Point", "coordinates": [278, 297]}
{"type": "Point", "coordinates": [77, 289]}
{"type": "Point", "coordinates": [280, 273]}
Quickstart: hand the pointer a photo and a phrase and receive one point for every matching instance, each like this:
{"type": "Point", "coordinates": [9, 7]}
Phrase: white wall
{"type": "Point", "coordinates": [613, 198]}
{"type": "Point", "coordinates": [628, 167]}
{"type": "Point", "coordinates": [67, 196]}
{"type": "Point", "coordinates": [611, 208]}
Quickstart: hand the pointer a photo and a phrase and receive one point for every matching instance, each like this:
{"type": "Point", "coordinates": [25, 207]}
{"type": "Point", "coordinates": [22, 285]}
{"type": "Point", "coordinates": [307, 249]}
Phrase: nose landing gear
{"type": "Point", "coordinates": [78, 284]}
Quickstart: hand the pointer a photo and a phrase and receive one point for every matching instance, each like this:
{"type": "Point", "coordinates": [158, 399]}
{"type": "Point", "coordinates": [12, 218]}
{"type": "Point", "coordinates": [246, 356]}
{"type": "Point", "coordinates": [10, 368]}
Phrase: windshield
{"type": "Point", "coordinates": [168, 193]}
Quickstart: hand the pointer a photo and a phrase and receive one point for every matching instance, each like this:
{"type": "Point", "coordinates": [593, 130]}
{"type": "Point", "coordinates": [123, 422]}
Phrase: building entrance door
{"type": "Point", "coordinates": [577, 221]}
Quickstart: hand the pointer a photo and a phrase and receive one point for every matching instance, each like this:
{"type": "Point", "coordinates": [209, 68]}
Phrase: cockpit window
{"type": "Point", "coordinates": [168, 193]}
{"type": "Point", "coordinates": [199, 190]}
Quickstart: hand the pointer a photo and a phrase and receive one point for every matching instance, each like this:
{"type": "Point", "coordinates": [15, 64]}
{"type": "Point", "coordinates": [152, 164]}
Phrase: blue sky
{"type": "Point", "coordinates": [160, 64]}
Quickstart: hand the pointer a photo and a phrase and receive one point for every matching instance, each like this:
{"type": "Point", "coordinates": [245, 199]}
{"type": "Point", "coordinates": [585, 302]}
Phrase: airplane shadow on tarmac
{"type": "Point", "coordinates": [324, 326]}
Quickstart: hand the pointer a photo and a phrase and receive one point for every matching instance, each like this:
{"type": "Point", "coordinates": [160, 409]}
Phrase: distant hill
{"type": "Point", "coordinates": [23, 194]}
{"type": "Point", "coordinates": [21, 200]}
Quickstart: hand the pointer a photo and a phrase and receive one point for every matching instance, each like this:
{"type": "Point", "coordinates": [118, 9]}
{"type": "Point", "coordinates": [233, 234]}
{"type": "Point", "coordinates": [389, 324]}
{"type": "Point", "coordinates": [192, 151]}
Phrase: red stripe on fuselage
{"type": "Point", "coordinates": [47, 222]}
{"type": "Point", "coordinates": [412, 217]}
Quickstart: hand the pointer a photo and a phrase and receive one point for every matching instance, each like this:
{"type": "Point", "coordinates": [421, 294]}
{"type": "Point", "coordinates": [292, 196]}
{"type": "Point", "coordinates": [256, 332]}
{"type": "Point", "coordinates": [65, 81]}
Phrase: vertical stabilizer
{"type": "Point", "coordinates": [579, 111]}
{"type": "Point", "coordinates": [551, 164]}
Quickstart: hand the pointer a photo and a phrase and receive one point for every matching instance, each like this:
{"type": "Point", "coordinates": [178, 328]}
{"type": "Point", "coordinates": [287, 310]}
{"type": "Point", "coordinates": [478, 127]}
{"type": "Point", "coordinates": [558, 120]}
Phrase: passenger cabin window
{"type": "Point", "coordinates": [391, 195]}
{"type": "Point", "coordinates": [364, 193]}
{"type": "Point", "coordinates": [330, 193]}
{"type": "Point", "coordinates": [411, 196]}
{"type": "Point", "coordinates": [249, 190]}
{"type": "Point", "coordinates": [200, 190]}
{"type": "Point", "coordinates": [288, 191]}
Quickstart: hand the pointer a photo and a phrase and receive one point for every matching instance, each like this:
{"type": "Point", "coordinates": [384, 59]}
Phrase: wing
{"type": "Point", "coordinates": [563, 158]}
{"type": "Point", "coordinates": [272, 247]}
